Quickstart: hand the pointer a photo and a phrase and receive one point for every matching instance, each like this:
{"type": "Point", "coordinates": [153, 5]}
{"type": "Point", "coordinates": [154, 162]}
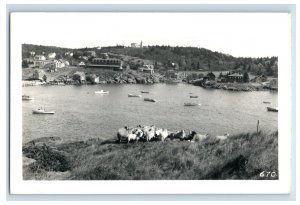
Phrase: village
{"type": "Point", "coordinates": [94, 67]}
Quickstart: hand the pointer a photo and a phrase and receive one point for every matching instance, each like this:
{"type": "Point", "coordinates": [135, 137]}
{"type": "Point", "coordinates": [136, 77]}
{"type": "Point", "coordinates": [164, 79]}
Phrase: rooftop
{"type": "Point", "coordinates": [236, 75]}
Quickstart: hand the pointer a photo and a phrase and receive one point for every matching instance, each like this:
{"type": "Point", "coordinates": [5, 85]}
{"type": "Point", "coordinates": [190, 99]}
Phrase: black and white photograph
{"type": "Point", "coordinates": [150, 96]}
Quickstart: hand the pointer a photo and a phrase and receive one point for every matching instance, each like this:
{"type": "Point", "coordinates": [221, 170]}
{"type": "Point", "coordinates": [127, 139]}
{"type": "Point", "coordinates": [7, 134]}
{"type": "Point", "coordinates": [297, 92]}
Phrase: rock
{"type": "Point", "coordinates": [130, 80]}
{"type": "Point", "coordinates": [141, 80]}
{"type": "Point", "coordinates": [156, 80]}
{"type": "Point", "coordinates": [149, 80]}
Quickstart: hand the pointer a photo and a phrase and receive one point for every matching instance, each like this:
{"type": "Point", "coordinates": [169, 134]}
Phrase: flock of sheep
{"type": "Point", "coordinates": [152, 133]}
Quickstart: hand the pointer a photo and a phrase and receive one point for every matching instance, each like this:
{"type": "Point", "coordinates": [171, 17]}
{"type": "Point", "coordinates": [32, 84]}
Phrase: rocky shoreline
{"type": "Point", "coordinates": [242, 87]}
{"type": "Point", "coordinates": [66, 77]}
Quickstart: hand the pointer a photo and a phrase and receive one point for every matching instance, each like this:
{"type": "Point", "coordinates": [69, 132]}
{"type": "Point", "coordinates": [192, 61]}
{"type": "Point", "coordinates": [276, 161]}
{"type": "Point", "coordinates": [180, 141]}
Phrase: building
{"type": "Point", "coordinates": [147, 69]}
{"type": "Point", "coordinates": [39, 58]}
{"type": "Point", "coordinates": [92, 78]}
{"type": "Point", "coordinates": [85, 57]}
{"type": "Point", "coordinates": [38, 75]}
{"type": "Point", "coordinates": [69, 53]}
{"type": "Point", "coordinates": [91, 53]}
{"type": "Point", "coordinates": [40, 63]}
{"type": "Point", "coordinates": [66, 63]}
{"type": "Point", "coordinates": [81, 64]}
{"type": "Point", "coordinates": [236, 77]}
{"type": "Point", "coordinates": [51, 55]}
{"type": "Point", "coordinates": [104, 55]}
{"type": "Point", "coordinates": [110, 63]}
{"type": "Point", "coordinates": [133, 45]}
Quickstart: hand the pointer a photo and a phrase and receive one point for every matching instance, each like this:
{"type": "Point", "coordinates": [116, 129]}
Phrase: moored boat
{"type": "Point", "coordinates": [133, 95]}
{"type": "Point", "coordinates": [193, 96]}
{"type": "Point", "coordinates": [42, 111]}
{"type": "Point", "coordinates": [27, 97]}
{"type": "Point", "coordinates": [149, 100]}
{"type": "Point", "coordinates": [145, 92]}
{"type": "Point", "coordinates": [266, 102]}
{"type": "Point", "coordinates": [101, 92]}
{"type": "Point", "coordinates": [272, 109]}
{"type": "Point", "coordinates": [191, 104]}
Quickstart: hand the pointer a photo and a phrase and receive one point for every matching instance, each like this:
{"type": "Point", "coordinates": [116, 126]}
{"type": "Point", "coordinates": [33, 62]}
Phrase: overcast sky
{"type": "Point", "coordinates": [237, 34]}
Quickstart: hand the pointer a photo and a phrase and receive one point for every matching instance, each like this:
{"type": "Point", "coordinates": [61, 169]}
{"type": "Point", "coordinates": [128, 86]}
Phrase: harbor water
{"type": "Point", "coordinates": [81, 114]}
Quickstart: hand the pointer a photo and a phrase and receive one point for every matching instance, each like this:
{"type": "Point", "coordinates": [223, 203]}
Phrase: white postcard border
{"type": "Point", "coordinates": [19, 186]}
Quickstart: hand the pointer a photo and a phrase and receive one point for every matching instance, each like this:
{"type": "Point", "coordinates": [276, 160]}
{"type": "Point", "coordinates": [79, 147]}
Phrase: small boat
{"type": "Point", "coordinates": [101, 92]}
{"type": "Point", "coordinates": [135, 96]}
{"type": "Point", "coordinates": [272, 109]}
{"type": "Point", "coordinates": [149, 100]}
{"type": "Point", "coordinates": [193, 96]}
{"type": "Point", "coordinates": [145, 92]}
{"type": "Point", "coordinates": [27, 97]}
{"type": "Point", "coordinates": [191, 104]}
{"type": "Point", "coordinates": [266, 102]}
{"type": "Point", "coordinates": [42, 111]}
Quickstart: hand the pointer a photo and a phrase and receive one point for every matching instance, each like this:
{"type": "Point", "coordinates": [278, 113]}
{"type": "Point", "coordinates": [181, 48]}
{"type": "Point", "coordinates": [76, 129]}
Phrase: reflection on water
{"type": "Point", "coordinates": [80, 113]}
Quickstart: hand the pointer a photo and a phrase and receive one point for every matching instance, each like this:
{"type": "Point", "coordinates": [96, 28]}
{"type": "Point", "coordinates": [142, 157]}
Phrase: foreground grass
{"type": "Point", "coordinates": [242, 156]}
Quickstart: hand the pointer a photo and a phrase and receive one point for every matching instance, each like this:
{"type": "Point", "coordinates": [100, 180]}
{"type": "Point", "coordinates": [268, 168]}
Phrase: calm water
{"type": "Point", "coordinates": [80, 114]}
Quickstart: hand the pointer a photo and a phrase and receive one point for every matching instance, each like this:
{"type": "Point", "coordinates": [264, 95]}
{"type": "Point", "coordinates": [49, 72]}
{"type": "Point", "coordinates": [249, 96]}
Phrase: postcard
{"type": "Point", "coordinates": [150, 103]}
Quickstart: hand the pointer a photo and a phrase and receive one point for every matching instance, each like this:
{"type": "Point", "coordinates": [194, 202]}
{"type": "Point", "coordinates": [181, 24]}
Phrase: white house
{"type": "Point", "coordinates": [51, 55]}
{"type": "Point", "coordinates": [39, 58]}
{"type": "Point", "coordinates": [81, 64]}
{"type": "Point", "coordinates": [147, 69]}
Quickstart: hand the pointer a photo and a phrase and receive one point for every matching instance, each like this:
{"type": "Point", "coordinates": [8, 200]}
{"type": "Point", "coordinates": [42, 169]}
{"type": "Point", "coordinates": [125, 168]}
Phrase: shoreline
{"type": "Point", "coordinates": [219, 86]}
{"type": "Point", "coordinates": [97, 76]}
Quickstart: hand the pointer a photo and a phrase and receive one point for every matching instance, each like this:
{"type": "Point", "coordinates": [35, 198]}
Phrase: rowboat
{"type": "Point", "coordinates": [193, 96]}
{"type": "Point", "coordinates": [191, 104]}
{"type": "Point", "coordinates": [42, 111]}
{"type": "Point", "coordinates": [101, 92]}
{"type": "Point", "coordinates": [144, 92]}
{"type": "Point", "coordinates": [135, 96]}
{"type": "Point", "coordinates": [149, 100]}
{"type": "Point", "coordinates": [272, 109]}
{"type": "Point", "coordinates": [27, 97]}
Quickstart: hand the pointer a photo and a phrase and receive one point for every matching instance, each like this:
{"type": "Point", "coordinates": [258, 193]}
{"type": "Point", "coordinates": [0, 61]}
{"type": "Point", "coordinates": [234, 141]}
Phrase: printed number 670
{"type": "Point", "coordinates": [265, 174]}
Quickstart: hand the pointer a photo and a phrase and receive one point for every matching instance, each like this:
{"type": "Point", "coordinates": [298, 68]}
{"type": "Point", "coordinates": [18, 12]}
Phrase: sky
{"type": "Point", "coordinates": [237, 34]}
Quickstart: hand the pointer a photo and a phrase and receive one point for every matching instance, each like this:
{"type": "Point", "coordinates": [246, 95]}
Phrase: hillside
{"type": "Point", "coordinates": [243, 156]}
{"type": "Point", "coordinates": [167, 57]}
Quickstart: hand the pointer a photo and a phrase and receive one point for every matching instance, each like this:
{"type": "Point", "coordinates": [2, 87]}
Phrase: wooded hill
{"type": "Point", "coordinates": [166, 57]}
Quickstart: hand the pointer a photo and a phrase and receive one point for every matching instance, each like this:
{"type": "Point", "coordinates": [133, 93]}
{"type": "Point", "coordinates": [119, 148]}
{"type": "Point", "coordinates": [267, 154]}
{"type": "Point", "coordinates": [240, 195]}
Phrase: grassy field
{"type": "Point", "coordinates": [242, 156]}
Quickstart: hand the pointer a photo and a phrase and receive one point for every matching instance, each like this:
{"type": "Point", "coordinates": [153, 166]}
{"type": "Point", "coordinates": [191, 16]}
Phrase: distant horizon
{"type": "Point", "coordinates": [128, 46]}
